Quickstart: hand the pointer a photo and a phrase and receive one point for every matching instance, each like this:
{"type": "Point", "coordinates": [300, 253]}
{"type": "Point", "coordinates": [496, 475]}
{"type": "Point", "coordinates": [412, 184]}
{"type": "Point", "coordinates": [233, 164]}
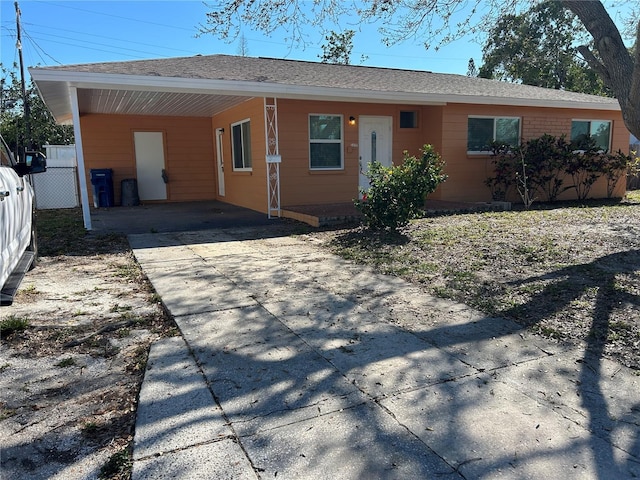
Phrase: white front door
{"type": "Point", "coordinates": [149, 147]}
{"type": "Point", "coordinates": [220, 159]}
{"type": "Point", "coordinates": [375, 144]}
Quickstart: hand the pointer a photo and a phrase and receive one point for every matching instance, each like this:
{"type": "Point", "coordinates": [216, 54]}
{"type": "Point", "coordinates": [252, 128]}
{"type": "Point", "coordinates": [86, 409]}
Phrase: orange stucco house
{"type": "Point", "coordinates": [268, 133]}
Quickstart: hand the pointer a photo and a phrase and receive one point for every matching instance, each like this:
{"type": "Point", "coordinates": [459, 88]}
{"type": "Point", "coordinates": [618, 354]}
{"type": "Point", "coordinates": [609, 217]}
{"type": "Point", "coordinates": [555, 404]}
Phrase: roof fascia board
{"type": "Point", "coordinates": [90, 80]}
{"type": "Point", "coordinates": [532, 102]}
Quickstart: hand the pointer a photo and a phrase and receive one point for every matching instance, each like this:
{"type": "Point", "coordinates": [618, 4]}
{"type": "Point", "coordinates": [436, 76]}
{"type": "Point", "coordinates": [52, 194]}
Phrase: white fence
{"type": "Point", "coordinates": [58, 186]}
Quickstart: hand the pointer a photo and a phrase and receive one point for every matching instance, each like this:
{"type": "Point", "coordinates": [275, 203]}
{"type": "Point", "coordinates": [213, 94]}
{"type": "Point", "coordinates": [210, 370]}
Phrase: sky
{"type": "Point", "coordinates": [59, 32]}
{"type": "Point", "coordinates": [56, 32]}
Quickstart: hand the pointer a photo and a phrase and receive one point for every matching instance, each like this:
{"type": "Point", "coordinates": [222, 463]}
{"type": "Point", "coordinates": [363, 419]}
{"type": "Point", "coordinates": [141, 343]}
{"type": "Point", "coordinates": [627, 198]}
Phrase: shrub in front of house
{"type": "Point", "coordinates": [617, 165]}
{"type": "Point", "coordinates": [504, 171]}
{"type": "Point", "coordinates": [396, 194]}
{"type": "Point", "coordinates": [538, 167]}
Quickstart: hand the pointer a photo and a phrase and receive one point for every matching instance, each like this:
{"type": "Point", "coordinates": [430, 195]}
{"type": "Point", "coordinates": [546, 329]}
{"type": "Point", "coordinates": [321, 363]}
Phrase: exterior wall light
{"type": "Point", "coordinates": [352, 121]}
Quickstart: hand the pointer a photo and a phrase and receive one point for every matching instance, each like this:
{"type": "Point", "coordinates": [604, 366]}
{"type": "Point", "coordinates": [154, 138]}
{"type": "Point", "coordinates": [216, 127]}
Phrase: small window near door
{"type": "Point", "coordinates": [408, 119]}
{"type": "Point", "coordinates": [241, 145]}
{"type": "Point", "coordinates": [325, 142]}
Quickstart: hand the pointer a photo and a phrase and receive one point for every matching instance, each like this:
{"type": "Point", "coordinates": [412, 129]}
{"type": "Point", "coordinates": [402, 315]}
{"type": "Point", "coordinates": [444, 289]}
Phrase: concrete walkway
{"type": "Point", "coordinates": [295, 364]}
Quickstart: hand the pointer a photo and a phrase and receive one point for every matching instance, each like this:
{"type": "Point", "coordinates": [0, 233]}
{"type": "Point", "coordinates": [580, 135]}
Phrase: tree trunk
{"type": "Point", "coordinates": [617, 68]}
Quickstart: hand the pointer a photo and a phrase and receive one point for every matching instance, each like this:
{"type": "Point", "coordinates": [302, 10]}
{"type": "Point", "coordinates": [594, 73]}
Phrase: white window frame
{"type": "Point", "coordinates": [495, 118]}
{"type": "Point", "coordinates": [329, 141]}
{"type": "Point", "coordinates": [610, 122]}
{"type": "Point", "coordinates": [244, 168]}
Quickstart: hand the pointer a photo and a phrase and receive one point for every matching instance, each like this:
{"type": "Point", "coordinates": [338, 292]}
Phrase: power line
{"type": "Point", "coordinates": [38, 48]}
{"type": "Point", "coordinates": [119, 52]}
{"type": "Point", "coordinates": [40, 27]}
{"type": "Point", "coordinates": [43, 36]}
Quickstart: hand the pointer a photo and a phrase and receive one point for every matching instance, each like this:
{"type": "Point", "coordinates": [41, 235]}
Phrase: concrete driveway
{"type": "Point", "coordinates": [295, 364]}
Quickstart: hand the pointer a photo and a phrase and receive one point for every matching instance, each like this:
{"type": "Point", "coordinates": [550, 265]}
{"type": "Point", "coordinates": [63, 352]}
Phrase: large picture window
{"type": "Point", "coordinates": [325, 142]}
{"type": "Point", "coordinates": [598, 130]}
{"type": "Point", "coordinates": [482, 131]}
{"type": "Point", "coordinates": [241, 145]}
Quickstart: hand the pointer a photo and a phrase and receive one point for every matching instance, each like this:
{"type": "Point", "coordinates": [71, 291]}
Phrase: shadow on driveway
{"type": "Point", "coordinates": [322, 367]}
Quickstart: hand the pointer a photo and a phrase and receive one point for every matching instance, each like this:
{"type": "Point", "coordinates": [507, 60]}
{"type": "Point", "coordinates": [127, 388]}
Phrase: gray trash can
{"type": "Point", "coordinates": [129, 189]}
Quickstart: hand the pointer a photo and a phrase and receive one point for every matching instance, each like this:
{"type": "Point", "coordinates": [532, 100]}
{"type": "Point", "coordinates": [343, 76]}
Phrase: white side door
{"type": "Point", "coordinates": [220, 160]}
{"type": "Point", "coordinates": [374, 143]}
{"type": "Point", "coordinates": [149, 149]}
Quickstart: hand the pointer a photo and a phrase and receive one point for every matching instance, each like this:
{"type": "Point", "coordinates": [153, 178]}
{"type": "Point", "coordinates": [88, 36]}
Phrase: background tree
{"type": "Point", "coordinates": [472, 70]}
{"type": "Point", "coordinates": [338, 48]}
{"type": "Point", "coordinates": [438, 22]}
{"type": "Point", "coordinates": [614, 63]}
{"type": "Point", "coordinates": [537, 48]}
{"type": "Point", "coordinates": [243, 46]}
{"type": "Point", "coordinates": [12, 125]}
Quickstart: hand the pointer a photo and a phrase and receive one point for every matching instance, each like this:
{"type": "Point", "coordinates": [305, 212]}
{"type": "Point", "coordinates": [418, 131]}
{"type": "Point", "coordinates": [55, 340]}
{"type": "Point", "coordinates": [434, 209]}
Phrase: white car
{"type": "Point", "coordinates": [18, 241]}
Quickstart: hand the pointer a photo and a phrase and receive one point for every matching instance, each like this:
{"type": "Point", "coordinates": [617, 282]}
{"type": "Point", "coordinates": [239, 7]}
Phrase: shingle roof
{"type": "Point", "coordinates": [315, 74]}
{"type": "Point", "coordinates": [206, 85]}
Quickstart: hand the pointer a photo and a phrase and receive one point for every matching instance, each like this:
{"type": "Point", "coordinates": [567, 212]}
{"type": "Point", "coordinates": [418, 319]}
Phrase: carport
{"type": "Point", "coordinates": [72, 94]}
{"type": "Point", "coordinates": [177, 217]}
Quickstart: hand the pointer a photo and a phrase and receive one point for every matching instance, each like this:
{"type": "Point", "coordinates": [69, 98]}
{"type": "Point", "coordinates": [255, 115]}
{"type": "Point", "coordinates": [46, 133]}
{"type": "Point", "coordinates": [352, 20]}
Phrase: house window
{"type": "Point", "coordinates": [408, 119]}
{"type": "Point", "coordinates": [597, 130]}
{"type": "Point", "coordinates": [241, 145]}
{"type": "Point", "coordinates": [482, 131]}
{"type": "Point", "coordinates": [325, 142]}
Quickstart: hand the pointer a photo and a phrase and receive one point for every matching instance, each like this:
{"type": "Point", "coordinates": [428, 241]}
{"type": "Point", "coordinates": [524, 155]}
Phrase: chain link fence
{"type": "Point", "coordinates": [58, 186]}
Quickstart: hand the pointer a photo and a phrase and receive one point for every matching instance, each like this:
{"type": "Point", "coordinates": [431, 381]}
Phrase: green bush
{"type": "Point", "coordinates": [615, 166]}
{"type": "Point", "coordinates": [537, 167]}
{"type": "Point", "coordinates": [397, 194]}
{"type": "Point", "coordinates": [504, 169]}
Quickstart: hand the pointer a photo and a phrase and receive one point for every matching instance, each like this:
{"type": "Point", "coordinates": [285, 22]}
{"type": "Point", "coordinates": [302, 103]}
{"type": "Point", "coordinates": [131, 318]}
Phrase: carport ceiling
{"type": "Point", "coordinates": [133, 102]}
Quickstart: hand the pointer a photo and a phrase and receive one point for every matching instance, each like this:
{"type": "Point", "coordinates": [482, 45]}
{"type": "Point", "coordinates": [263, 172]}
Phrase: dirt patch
{"type": "Point", "coordinates": [73, 361]}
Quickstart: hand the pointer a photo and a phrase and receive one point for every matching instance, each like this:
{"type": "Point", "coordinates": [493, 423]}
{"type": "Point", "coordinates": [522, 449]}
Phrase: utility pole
{"type": "Point", "coordinates": [25, 99]}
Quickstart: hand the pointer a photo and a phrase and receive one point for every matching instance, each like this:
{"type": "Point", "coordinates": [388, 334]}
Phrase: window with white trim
{"type": "Point", "coordinates": [325, 142]}
{"type": "Point", "coordinates": [241, 145]}
{"type": "Point", "coordinates": [482, 131]}
{"type": "Point", "coordinates": [597, 130]}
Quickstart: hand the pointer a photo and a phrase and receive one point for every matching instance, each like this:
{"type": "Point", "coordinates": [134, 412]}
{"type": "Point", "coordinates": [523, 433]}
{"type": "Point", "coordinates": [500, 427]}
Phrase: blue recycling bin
{"type": "Point", "coordinates": [102, 181]}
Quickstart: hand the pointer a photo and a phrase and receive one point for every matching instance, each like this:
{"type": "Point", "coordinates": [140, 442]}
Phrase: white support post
{"type": "Point", "coordinates": [273, 157]}
{"type": "Point", "coordinates": [82, 175]}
